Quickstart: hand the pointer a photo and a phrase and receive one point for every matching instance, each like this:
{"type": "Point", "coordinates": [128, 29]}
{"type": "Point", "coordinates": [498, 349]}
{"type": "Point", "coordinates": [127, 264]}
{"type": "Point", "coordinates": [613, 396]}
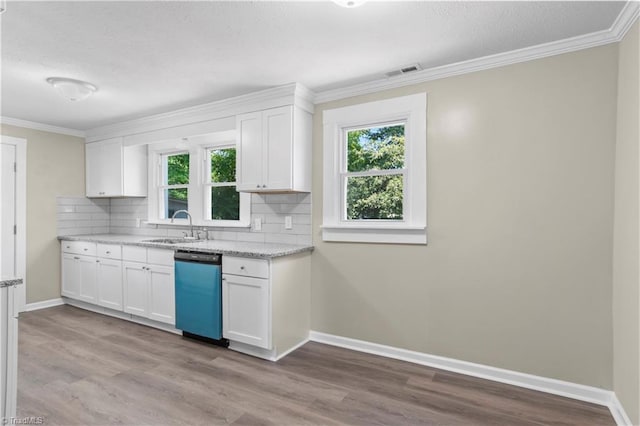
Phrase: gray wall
{"type": "Point", "coordinates": [518, 270]}
{"type": "Point", "coordinates": [55, 166]}
{"type": "Point", "coordinates": [626, 253]}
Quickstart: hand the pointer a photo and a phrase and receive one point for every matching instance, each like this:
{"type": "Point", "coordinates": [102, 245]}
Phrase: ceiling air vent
{"type": "Point", "coordinates": [404, 70]}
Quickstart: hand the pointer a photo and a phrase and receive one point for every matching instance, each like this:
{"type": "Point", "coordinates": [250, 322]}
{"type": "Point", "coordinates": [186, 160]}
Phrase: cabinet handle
{"type": "Point", "coordinates": [108, 252]}
{"type": "Point", "coordinates": [68, 246]}
{"type": "Point", "coordinates": [258, 186]}
{"type": "Point", "coordinates": [97, 261]}
{"type": "Point", "coordinates": [85, 249]}
{"type": "Point", "coordinates": [76, 257]}
{"type": "Point", "coordinates": [264, 186]}
{"type": "Point", "coordinates": [224, 278]}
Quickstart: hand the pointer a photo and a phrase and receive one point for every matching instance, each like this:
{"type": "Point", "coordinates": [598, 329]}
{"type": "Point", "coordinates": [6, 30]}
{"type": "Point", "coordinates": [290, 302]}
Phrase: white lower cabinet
{"type": "Point", "coordinates": [246, 310]}
{"type": "Point", "coordinates": [265, 304]}
{"type": "Point", "coordinates": [88, 281]}
{"type": "Point", "coordinates": [135, 283]}
{"type": "Point", "coordinates": [79, 277]}
{"type": "Point", "coordinates": [149, 289]}
{"type": "Point", "coordinates": [70, 276]}
{"type": "Point", "coordinates": [109, 280]}
{"type": "Point", "coordinates": [162, 301]}
{"type": "Point", "coordinates": [131, 279]}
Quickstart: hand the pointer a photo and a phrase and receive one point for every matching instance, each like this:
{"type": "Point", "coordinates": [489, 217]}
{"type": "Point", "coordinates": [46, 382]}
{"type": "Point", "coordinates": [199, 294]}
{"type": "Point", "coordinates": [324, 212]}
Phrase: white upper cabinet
{"type": "Point", "coordinates": [115, 170]}
{"type": "Point", "coordinates": [274, 150]}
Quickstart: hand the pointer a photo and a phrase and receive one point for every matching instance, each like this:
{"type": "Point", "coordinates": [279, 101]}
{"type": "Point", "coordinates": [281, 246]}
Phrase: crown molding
{"type": "Point", "coordinates": [292, 93]}
{"type": "Point", "coordinates": [625, 19]}
{"type": "Point", "coordinates": [41, 126]}
{"type": "Point", "coordinates": [622, 24]}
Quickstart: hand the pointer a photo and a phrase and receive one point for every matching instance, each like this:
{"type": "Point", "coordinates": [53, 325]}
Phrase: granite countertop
{"type": "Point", "coordinates": [10, 282]}
{"type": "Point", "coordinates": [235, 248]}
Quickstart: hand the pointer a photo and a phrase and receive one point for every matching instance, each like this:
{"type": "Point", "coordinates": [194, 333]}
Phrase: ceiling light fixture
{"type": "Point", "coordinates": [74, 90]}
{"type": "Point", "coordinates": [349, 3]}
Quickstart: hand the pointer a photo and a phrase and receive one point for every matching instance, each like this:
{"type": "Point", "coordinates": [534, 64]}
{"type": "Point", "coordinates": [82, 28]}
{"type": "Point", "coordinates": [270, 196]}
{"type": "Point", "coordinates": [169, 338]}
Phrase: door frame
{"type": "Point", "coordinates": [21, 217]}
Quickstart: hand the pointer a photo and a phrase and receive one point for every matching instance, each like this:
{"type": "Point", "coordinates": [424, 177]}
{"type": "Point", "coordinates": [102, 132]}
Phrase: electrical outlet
{"type": "Point", "coordinates": [138, 222]}
{"type": "Point", "coordinates": [257, 224]}
{"type": "Point", "coordinates": [69, 209]}
{"type": "Point", "coordinates": [288, 223]}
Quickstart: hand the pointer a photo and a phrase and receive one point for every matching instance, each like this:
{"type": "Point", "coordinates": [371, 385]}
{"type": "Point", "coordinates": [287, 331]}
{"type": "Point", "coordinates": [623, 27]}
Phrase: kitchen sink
{"type": "Point", "coordinates": [170, 240]}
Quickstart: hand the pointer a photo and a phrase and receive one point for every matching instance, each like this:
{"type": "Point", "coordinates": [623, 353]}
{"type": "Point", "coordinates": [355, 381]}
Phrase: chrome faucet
{"type": "Point", "coordinates": [188, 215]}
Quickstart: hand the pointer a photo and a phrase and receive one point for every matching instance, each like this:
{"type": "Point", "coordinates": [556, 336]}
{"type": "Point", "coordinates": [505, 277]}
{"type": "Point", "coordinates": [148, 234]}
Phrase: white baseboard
{"type": "Point", "coordinates": [268, 354]}
{"type": "Point", "coordinates": [43, 305]}
{"type": "Point", "coordinates": [121, 315]}
{"type": "Point", "coordinates": [618, 413]}
{"type": "Point", "coordinates": [544, 384]}
{"type": "Point", "coordinates": [287, 352]}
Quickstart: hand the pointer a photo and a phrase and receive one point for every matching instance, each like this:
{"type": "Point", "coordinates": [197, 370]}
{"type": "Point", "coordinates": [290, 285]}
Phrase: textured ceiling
{"type": "Point", "coordinates": [151, 57]}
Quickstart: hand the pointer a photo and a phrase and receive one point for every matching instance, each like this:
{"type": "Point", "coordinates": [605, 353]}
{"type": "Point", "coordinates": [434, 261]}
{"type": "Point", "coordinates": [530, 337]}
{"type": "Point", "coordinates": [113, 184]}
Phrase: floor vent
{"type": "Point", "coordinates": [404, 70]}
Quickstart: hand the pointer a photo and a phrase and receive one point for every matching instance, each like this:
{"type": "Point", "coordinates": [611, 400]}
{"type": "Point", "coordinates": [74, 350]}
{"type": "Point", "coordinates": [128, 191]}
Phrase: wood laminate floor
{"type": "Point", "coordinates": [81, 368]}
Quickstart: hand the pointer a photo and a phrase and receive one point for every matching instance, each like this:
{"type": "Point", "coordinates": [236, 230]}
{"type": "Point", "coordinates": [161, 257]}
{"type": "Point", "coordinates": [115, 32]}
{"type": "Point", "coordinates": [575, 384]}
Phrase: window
{"type": "Point", "coordinates": [174, 187]}
{"type": "Point", "coordinates": [222, 201]}
{"type": "Point", "coordinates": [197, 174]}
{"type": "Point", "coordinates": [375, 172]}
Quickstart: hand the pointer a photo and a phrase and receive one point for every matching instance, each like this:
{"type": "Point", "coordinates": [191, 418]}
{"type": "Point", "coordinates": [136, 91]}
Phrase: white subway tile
{"type": "Point", "coordinates": [280, 238]}
{"type": "Point", "coordinates": [282, 198]}
{"type": "Point", "coordinates": [304, 198]}
{"type": "Point", "coordinates": [224, 235]}
{"type": "Point", "coordinates": [253, 237]}
{"type": "Point", "coordinates": [264, 208]}
{"type": "Point", "coordinates": [304, 240]}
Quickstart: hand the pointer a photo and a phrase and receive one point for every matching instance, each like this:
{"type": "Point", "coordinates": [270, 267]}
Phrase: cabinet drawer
{"type": "Point", "coordinates": [79, 247]}
{"type": "Point", "coordinates": [109, 251]}
{"type": "Point", "coordinates": [134, 254]}
{"type": "Point", "coordinates": [160, 257]}
{"type": "Point", "coordinates": [245, 266]}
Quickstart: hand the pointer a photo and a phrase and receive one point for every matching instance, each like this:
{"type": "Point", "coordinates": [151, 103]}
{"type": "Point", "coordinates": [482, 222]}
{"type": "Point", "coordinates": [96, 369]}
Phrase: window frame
{"type": "Point", "coordinates": [345, 174]}
{"type": "Point", "coordinates": [161, 187]}
{"type": "Point", "coordinates": [245, 199]}
{"type": "Point", "coordinates": [197, 148]}
{"type": "Point", "coordinates": [409, 110]}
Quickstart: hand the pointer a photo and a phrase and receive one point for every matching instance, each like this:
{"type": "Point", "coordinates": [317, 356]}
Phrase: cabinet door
{"type": "Point", "coordinates": [70, 276]}
{"type": "Point", "coordinates": [88, 283]}
{"type": "Point", "coordinates": [109, 278]}
{"type": "Point", "coordinates": [249, 159]}
{"type": "Point", "coordinates": [104, 168]}
{"type": "Point", "coordinates": [135, 287]}
{"type": "Point", "coordinates": [277, 140]}
{"type": "Point", "coordinates": [246, 310]}
{"type": "Point", "coordinates": [162, 305]}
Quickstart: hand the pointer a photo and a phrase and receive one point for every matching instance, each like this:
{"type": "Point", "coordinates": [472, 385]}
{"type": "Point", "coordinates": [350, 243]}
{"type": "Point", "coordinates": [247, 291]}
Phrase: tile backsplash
{"type": "Point", "coordinates": [80, 215]}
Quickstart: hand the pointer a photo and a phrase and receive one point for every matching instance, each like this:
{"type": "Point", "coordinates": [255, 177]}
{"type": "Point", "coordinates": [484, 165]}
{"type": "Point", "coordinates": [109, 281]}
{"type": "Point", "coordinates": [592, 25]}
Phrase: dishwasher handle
{"type": "Point", "coordinates": [190, 256]}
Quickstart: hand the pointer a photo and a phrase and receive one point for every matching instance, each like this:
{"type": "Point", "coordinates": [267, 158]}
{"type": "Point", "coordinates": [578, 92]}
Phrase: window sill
{"type": "Point", "coordinates": [199, 224]}
{"type": "Point", "coordinates": [385, 234]}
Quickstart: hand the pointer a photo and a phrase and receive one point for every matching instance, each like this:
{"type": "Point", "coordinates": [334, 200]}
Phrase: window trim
{"type": "Point", "coordinates": [196, 147]}
{"type": "Point", "coordinates": [410, 110]}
